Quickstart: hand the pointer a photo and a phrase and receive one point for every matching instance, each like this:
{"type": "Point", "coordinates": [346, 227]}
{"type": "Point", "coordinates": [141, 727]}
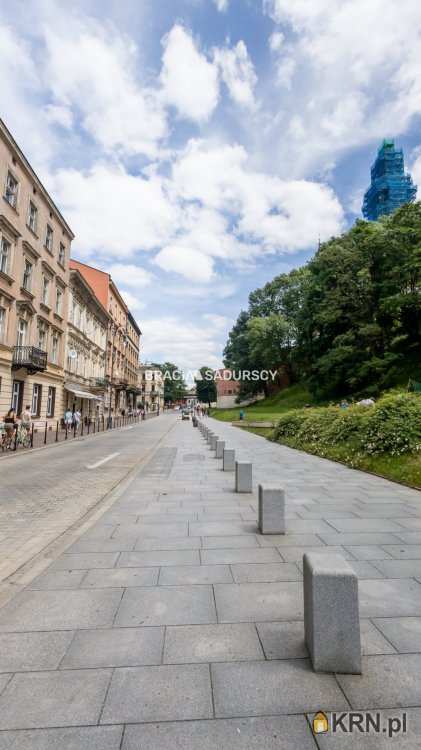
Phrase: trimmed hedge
{"type": "Point", "coordinates": [392, 426]}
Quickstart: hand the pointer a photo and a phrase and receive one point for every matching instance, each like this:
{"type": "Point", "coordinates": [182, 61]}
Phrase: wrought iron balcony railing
{"type": "Point", "coordinates": [33, 359]}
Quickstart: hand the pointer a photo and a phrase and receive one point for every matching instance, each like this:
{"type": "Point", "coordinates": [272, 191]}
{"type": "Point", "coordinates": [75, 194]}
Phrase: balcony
{"type": "Point", "coordinates": [99, 382]}
{"type": "Point", "coordinates": [33, 359]}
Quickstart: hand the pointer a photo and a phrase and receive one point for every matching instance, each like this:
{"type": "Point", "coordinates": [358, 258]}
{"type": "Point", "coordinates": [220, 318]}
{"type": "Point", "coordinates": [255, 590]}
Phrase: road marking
{"type": "Point", "coordinates": [103, 461]}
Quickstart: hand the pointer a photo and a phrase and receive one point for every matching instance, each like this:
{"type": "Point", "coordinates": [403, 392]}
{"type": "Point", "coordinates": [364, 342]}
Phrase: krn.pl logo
{"type": "Point", "coordinates": [320, 723]}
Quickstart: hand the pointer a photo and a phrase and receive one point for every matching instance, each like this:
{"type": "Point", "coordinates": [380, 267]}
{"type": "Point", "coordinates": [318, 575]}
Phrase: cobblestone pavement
{"type": "Point", "coordinates": [171, 623]}
{"type": "Point", "coordinates": [43, 493]}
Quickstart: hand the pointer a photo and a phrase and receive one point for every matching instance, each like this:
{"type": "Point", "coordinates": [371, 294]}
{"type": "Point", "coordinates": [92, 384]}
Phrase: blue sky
{"type": "Point", "coordinates": [199, 147]}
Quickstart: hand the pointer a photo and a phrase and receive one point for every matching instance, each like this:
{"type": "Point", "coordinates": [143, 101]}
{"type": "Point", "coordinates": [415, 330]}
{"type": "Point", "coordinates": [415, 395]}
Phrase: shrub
{"type": "Point", "coordinates": [391, 426]}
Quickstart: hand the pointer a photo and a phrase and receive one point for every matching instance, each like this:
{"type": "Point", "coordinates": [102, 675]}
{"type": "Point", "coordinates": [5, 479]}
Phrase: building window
{"type": "Point", "coordinates": [54, 348]}
{"type": "Point", "coordinates": [22, 331]}
{"type": "Point", "coordinates": [36, 400]}
{"type": "Point", "coordinates": [17, 393]}
{"type": "Point", "coordinates": [45, 290]}
{"type": "Point", "coordinates": [49, 239]}
{"type": "Point", "coordinates": [27, 276]}
{"type": "Point", "coordinates": [51, 401]}
{"type": "Point", "coordinates": [59, 300]}
{"type": "Point", "coordinates": [11, 191]}
{"type": "Point", "coordinates": [2, 323]}
{"type": "Point", "coordinates": [32, 217]}
{"type": "Point", "coordinates": [42, 335]}
{"type": "Point", "coordinates": [5, 249]}
{"type": "Point", "coordinates": [61, 254]}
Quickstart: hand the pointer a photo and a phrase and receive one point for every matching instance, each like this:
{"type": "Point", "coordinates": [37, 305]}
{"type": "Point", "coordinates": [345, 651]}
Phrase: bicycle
{"type": "Point", "coordinates": [7, 439]}
{"type": "Point", "coordinates": [23, 437]}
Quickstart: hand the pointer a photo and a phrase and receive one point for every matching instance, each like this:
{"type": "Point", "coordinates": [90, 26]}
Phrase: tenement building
{"type": "Point", "coordinates": [116, 368]}
{"type": "Point", "coordinates": [86, 342]}
{"type": "Point", "coordinates": [151, 388]}
{"type": "Point", "coordinates": [132, 361]}
{"type": "Point", "coordinates": [35, 244]}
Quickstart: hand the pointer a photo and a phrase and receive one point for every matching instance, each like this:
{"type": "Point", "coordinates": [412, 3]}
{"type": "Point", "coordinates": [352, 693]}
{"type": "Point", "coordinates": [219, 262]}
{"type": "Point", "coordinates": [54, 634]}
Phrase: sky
{"type": "Point", "coordinates": [197, 148]}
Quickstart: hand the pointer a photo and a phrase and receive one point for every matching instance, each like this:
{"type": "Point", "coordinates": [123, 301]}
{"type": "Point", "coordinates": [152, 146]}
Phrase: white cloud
{"type": "Point", "coordinates": [113, 212]}
{"type": "Point", "coordinates": [271, 214]}
{"type": "Point", "coordinates": [222, 5]}
{"type": "Point", "coordinates": [187, 262]}
{"type": "Point", "coordinates": [276, 41]}
{"type": "Point", "coordinates": [130, 275]}
{"type": "Point", "coordinates": [91, 69]}
{"type": "Point", "coordinates": [132, 301]}
{"type": "Point", "coordinates": [189, 81]}
{"type": "Point", "coordinates": [180, 341]}
{"type": "Point", "coordinates": [237, 72]}
{"type": "Point", "coordinates": [354, 66]}
{"type": "Point", "coordinates": [59, 115]}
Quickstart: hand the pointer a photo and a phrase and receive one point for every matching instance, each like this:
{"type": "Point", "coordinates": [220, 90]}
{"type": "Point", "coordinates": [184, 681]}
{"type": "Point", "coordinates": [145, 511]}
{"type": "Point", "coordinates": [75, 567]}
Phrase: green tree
{"type": "Point", "coordinates": [206, 386]}
{"type": "Point", "coordinates": [174, 386]}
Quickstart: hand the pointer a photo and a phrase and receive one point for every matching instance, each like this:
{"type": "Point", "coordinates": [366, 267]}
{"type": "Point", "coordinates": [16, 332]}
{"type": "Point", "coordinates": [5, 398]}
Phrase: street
{"type": "Point", "coordinates": [167, 620]}
{"type": "Point", "coordinates": [43, 493]}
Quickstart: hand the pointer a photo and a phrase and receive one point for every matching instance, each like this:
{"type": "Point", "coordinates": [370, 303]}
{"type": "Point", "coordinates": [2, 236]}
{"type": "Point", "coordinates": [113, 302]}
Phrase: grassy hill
{"type": "Point", "coordinates": [384, 439]}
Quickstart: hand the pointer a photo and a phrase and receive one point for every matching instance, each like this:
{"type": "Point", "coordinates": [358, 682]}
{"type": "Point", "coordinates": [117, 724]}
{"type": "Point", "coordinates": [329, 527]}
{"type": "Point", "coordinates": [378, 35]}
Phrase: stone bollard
{"type": "Point", "coordinates": [209, 436]}
{"type": "Point", "coordinates": [243, 477]}
{"type": "Point", "coordinates": [219, 450]}
{"type": "Point", "coordinates": [228, 458]}
{"type": "Point", "coordinates": [271, 509]}
{"type": "Point", "coordinates": [331, 614]}
{"type": "Point", "coordinates": [213, 442]}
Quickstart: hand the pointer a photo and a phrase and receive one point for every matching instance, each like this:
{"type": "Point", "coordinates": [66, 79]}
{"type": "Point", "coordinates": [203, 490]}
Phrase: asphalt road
{"type": "Point", "coordinates": [46, 492]}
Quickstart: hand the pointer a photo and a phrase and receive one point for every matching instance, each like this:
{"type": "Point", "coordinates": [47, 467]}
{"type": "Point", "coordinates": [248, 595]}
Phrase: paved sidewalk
{"type": "Point", "coordinates": [173, 624]}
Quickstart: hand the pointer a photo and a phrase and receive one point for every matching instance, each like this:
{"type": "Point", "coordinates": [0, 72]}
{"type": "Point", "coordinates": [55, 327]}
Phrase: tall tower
{"type": "Point", "coordinates": [390, 186]}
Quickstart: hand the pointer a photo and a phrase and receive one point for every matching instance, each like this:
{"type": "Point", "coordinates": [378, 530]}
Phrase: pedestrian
{"type": "Point", "coordinates": [77, 417]}
{"type": "Point", "coordinates": [26, 418]}
{"type": "Point", "coordinates": [9, 423]}
{"type": "Point", "coordinates": [241, 414]}
{"type": "Point", "coordinates": [68, 418]}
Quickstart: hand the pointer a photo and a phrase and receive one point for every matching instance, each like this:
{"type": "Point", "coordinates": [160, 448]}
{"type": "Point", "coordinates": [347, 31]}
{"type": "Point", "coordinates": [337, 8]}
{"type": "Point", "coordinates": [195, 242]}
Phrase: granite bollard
{"type": "Point", "coordinates": [243, 476]}
{"type": "Point", "coordinates": [228, 458]}
{"type": "Point", "coordinates": [214, 440]}
{"type": "Point", "coordinates": [331, 614]}
{"type": "Point", "coordinates": [271, 509]}
{"type": "Point", "coordinates": [219, 450]}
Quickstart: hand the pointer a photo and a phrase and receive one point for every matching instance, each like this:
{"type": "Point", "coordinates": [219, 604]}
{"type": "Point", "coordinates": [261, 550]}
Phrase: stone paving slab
{"type": "Point", "coordinates": [269, 572]}
{"type": "Point", "coordinates": [403, 632]}
{"type": "Point", "coordinates": [195, 574]}
{"type": "Point", "coordinates": [231, 556]}
{"type": "Point", "coordinates": [251, 602]}
{"type": "Point", "coordinates": [211, 643]}
{"type": "Point", "coordinates": [22, 652]}
{"type": "Point", "coordinates": [116, 647]}
{"type": "Point", "coordinates": [167, 693]}
{"type": "Point", "coordinates": [392, 681]}
{"type": "Point", "coordinates": [120, 578]}
{"type": "Point", "coordinates": [173, 605]}
{"type": "Point", "coordinates": [268, 733]}
{"type": "Point", "coordinates": [60, 610]}
{"type": "Point", "coordinates": [273, 687]}
{"type": "Point", "coordinates": [79, 738]}
{"type": "Point", "coordinates": [53, 699]}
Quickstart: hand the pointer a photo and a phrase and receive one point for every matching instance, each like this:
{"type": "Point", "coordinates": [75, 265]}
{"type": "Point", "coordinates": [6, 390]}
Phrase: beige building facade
{"type": "Point", "coordinates": [35, 245]}
{"type": "Point", "coordinates": [151, 387]}
{"type": "Point", "coordinates": [85, 352]}
{"type": "Point", "coordinates": [123, 341]}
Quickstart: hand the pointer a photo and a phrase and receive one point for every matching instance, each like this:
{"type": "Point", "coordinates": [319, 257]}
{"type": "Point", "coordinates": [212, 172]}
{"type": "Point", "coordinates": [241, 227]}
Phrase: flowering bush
{"type": "Point", "coordinates": [391, 426]}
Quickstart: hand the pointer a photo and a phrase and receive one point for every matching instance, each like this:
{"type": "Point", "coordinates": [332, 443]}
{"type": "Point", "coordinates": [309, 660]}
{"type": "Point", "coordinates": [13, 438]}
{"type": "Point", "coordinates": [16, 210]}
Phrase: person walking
{"type": "Point", "coordinates": [9, 426]}
{"type": "Point", "coordinates": [77, 418]}
{"type": "Point", "coordinates": [26, 418]}
{"type": "Point", "coordinates": [68, 418]}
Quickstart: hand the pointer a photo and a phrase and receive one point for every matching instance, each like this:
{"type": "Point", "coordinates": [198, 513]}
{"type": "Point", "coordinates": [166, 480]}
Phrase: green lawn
{"type": "Point", "coordinates": [294, 397]}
